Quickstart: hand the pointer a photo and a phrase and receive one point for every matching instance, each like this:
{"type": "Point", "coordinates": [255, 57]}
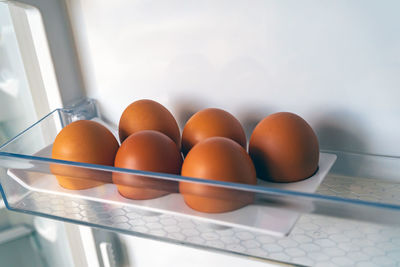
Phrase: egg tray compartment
{"type": "Point", "coordinates": [40, 193]}
{"type": "Point", "coordinates": [314, 240]}
{"type": "Point", "coordinates": [254, 217]}
{"type": "Point", "coordinates": [27, 158]}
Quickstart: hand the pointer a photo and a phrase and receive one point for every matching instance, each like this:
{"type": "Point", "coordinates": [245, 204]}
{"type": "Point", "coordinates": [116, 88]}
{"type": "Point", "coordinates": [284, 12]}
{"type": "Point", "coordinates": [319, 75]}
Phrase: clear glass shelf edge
{"type": "Point", "coordinates": [358, 187]}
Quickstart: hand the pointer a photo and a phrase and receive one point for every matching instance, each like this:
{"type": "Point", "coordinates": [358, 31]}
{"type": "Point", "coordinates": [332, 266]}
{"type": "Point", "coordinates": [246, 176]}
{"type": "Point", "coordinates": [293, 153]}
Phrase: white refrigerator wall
{"type": "Point", "coordinates": [336, 63]}
{"type": "Point", "coordinates": [147, 252]}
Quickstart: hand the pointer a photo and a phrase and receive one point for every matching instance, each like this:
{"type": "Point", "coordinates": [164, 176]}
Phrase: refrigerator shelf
{"type": "Point", "coordinates": [358, 187]}
{"type": "Point", "coordinates": [253, 217]}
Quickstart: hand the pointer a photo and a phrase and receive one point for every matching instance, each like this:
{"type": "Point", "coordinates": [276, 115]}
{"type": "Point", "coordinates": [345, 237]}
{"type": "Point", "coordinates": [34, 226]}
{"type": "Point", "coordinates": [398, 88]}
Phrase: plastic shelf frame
{"type": "Point", "coordinates": [358, 187]}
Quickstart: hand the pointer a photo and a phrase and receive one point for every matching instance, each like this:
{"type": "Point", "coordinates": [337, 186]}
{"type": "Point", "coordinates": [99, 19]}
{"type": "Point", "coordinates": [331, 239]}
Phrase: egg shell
{"type": "Point", "coordinates": [284, 148]}
{"type": "Point", "coordinates": [147, 114]}
{"type": "Point", "coordinates": [147, 151]}
{"type": "Point", "coordinates": [211, 122]}
{"type": "Point", "coordinates": [221, 159]}
{"type": "Point", "coordinates": [88, 142]}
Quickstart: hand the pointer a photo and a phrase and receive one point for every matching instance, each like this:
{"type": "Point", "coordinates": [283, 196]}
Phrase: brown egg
{"type": "Point", "coordinates": [147, 151]}
{"type": "Point", "coordinates": [148, 115]}
{"type": "Point", "coordinates": [217, 158]}
{"type": "Point", "coordinates": [211, 122]}
{"type": "Point", "coordinates": [88, 142]}
{"type": "Point", "coordinates": [284, 148]}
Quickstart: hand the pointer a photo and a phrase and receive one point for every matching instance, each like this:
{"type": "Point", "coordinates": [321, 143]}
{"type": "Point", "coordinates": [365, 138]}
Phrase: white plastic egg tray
{"type": "Point", "coordinates": [261, 218]}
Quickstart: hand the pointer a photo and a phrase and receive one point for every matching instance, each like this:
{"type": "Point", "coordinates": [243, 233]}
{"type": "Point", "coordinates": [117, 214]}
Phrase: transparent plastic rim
{"type": "Point", "coordinates": [178, 178]}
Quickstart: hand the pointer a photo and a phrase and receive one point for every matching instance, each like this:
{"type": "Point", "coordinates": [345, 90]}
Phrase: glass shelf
{"type": "Point", "coordinates": [357, 188]}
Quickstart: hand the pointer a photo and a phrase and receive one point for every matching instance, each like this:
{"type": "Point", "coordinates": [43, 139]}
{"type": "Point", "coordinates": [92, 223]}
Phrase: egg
{"type": "Point", "coordinates": [219, 159]}
{"type": "Point", "coordinates": [88, 142]}
{"type": "Point", "coordinates": [284, 148]}
{"type": "Point", "coordinates": [211, 122]}
{"type": "Point", "coordinates": [152, 151]}
{"type": "Point", "coordinates": [148, 115]}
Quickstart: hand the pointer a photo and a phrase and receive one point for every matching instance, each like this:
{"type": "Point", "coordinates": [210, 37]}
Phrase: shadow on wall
{"type": "Point", "coordinates": [250, 117]}
{"type": "Point", "coordinates": [186, 107]}
{"type": "Point", "coordinates": [337, 130]}
{"type": "Point", "coordinates": [198, 74]}
{"type": "Point", "coordinates": [342, 130]}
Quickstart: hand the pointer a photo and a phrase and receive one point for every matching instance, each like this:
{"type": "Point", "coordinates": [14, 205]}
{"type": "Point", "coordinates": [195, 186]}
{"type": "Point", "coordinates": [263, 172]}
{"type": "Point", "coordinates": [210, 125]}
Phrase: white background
{"type": "Point", "coordinates": [336, 63]}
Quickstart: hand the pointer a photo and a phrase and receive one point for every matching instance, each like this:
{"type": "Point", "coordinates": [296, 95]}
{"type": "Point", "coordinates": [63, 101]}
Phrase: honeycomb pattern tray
{"type": "Point", "coordinates": [314, 241]}
{"type": "Point", "coordinates": [254, 217]}
{"type": "Point", "coordinates": [363, 189]}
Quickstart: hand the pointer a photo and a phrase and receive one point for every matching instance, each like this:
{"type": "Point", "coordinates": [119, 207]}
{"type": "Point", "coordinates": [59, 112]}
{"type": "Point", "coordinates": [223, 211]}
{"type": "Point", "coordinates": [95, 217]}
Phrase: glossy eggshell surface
{"type": "Point", "coordinates": [221, 159]}
{"type": "Point", "coordinates": [148, 115]}
{"type": "Point", "coordinates": [284, 148]}
{"type": "Point", "coordinates": [211, 122]}
{"type": "Point", "coordinates": [147, 151]}
{"type": "Point", "coordinates": [88, 142]}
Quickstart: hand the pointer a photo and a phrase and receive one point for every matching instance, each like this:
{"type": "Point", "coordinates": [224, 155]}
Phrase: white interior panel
{"type": "Point", "coordinates": [147, 252]}
{"type": "Point", "coordinates": [335, 63]}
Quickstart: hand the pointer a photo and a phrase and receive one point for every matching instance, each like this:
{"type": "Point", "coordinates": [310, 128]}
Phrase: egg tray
{"type": "Point", "coordinates": [253, 217]}
{"type": "Point", "coordinates": [27, 185]}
